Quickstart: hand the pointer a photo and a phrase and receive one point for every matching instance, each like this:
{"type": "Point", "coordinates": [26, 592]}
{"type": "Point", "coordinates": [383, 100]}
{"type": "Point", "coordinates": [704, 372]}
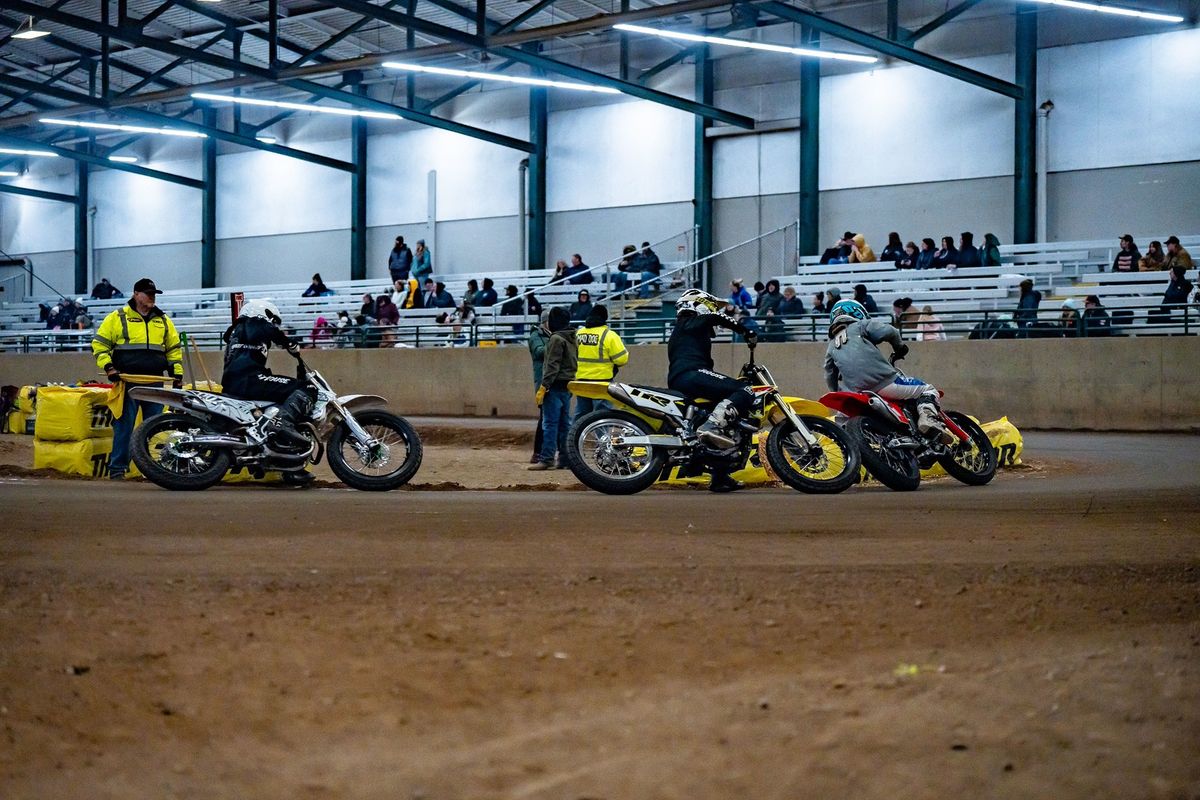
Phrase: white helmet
{"type": "Point", "coordinates": [263, 309]}
{"type": "Point", "coordinates": [694, 301]}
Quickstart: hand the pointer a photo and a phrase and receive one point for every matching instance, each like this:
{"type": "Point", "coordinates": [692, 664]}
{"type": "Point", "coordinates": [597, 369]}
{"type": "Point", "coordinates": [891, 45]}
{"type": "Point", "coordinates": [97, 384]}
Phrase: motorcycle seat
{"type": "Point", "coordinates": [679, 396]}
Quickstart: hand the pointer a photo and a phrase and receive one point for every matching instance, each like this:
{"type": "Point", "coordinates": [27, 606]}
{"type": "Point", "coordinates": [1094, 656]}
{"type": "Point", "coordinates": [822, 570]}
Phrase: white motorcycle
{"type": "Point", "coordinates": [205, 434]}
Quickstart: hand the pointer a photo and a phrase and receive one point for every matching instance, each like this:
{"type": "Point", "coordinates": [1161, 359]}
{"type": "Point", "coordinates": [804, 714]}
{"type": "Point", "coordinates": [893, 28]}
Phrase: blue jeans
{"type": "Point", "coordinates": [556, 418]}
{"type": "Point", "coordinates": [585, 405]}
{"type": "Point", "coordinates": [118, 461]}
{"type": "Point", "coordinates": [644, 289]}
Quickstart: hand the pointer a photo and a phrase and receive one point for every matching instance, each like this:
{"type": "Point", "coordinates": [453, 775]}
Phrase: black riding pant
{"type": "Point", "coordinates": [715, 387]}
{"type": "Point", "coordinates": [293, 395]}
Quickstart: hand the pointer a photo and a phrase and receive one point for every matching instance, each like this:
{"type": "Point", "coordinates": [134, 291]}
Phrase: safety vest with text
{"type": "Point", "coordinates": [138, 345]}
{"type": "Point", "coordinates": [601, 351]}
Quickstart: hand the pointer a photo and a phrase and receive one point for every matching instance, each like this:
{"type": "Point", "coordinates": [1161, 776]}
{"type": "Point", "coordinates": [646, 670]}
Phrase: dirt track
{"type": "Point", "coordinates": [1036, 638]}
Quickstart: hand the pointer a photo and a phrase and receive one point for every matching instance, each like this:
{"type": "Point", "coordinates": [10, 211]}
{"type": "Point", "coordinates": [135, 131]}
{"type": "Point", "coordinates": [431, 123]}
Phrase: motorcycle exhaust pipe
{"type": "Point", "coordinates": [217, 440]}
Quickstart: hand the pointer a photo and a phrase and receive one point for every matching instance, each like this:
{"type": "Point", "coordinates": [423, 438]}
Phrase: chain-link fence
{"type": "Point", "coordinates": [768, 255]}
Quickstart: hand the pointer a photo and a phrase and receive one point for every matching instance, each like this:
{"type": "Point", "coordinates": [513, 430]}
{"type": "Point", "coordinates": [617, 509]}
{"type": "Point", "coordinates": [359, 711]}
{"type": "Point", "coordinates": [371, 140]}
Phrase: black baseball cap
{"type": "Point", "coordinates": [146, 286]}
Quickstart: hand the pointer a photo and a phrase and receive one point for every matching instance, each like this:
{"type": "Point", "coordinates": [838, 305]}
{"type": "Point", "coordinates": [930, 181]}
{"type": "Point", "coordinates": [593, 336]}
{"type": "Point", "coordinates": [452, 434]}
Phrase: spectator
{"type": "Point", "coordinates": [1069, 318]}
{"type": "Point", "coordinates": [386, 312]}
{"type": "Point", "coordinates": [894, 250]}
{"type": "Point", "coordinates": [579, 272]}
{"type": "Point", "coordinates": [487, 296]}
{"type": "Point", "coordinates": [1177, 256]}
{"type": "Point", "coordinates": [317, 288]}
{"type": "Point", "coordinates": [768, 311]}
{"type": "Point", "coordinates": [651, 268]}
{"type": "Point", "coordinates": [929, 327]}
{"type": "Point", "coordinates": [833, 296]}
{"type": "Point", "coordinates": [105, 290]}
{"type": "Point", "coordinates": [1096, 321]}
{"type": "Point", "coordinates": [367, 312]}
{"type": "Point", "coordinates": [626, 265]}
{"type": "Point", "coordinates": [513, 306]}
{"type": "Point", "coordinates": [909, 259]}
{"type": "Point", "coordinates": [968, 253]}
{"type": "Point", "coordinates": [412, 295]}
{"type": "Point", "coordinates": [422, 261]}
{"type": "Point", "coordinates": [928, 253]}
{"type": "Point", "coordinates": [558, 370]}
{"type": "Point", "coordinates": [429, 295]}
{"type": "Point", "coordinates": [791, 305]}
{"type": "Point", "coordinates": [738, 296]}
{"type": "Point", "coordinates": [819, 306]}
{"type": "Point", "coordinates": [533, 306]}
{"type": "Point", "coordinates": [947, 257]}
{"type": "Point", "coordinates": [1127, 257]}
{"type": "Point", "coordinates": [860, 251]}
{"type": "Point", "coordinates": [66, 314]}
{"type": "Point", "coordinates": [759, 288]}
{"type": "Point", "coordinates": [1154, 260]}
{"type": "Point", "coordinates": [1179, 289]}
{"type": "Point", "coordinates": [560, 271]}
{"type": "Point", "coordinates": [742, 315]}
{"type": "Point", "coordinates": [868, 302]}
{"type": "Point", "coordinates": [991, 250]}
{"type": "Point", "coordinates": [582, 306]}
{"type": "Point", "coordinates": [472, 294]}
{"type": "Point", "coordinates": [83, 320]}
{"type": "Point", "coordinates": [601, 353]}
{"type": "Point", "coordinates": [322, 332]}
{"type": "Point", "coordinates": [399, 291]}
{"type": "Point", "coordinates": [537, 353]}
{"type": "Point", "coordinates": [840, 252]}
{"type": "Point", "coordinates": [1027, 305]}
{"type": "Point", "coordinates": [444, 298]}
{"type": "Point", "coordinates": [400, 260]}
{"type": "Point", "coordinates": [902, 314]}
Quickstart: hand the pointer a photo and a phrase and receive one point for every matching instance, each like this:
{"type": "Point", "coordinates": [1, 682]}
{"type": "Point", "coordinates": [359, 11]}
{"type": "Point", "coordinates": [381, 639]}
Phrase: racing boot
{"type": "Point", "coordinates": [717, 429]}
{"type": "Point", "coordinates": [282, 427]}
{"type": "Point", "coordinates": [721, 483]}
{"type": "Point", "coordinates": [929, 423]}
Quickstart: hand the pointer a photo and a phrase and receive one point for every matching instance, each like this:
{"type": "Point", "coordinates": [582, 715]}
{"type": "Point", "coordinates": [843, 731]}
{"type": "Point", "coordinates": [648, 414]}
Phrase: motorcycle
{"type": "Point", "coordinates": [627, 449]}
{"type": "Point", "coordinates": [205, 434]}
{"type": "Point", "coordinates": [895, 451]}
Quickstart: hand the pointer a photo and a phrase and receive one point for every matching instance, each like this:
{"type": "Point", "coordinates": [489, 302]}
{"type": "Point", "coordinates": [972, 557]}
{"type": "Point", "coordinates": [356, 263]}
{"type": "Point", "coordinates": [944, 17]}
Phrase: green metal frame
{"type": "Point", "coordinates": [208, 210]}
{"type": "Point", "coordinates": [808, 236]}
{"type": "Point", "coordinates": [1025, 129]}
{"type": "Point", "coordinates": [358, 193]}
{"type": "Point", "coordinates": [940, 20]}
{"type": "Point", "coordinates": [539, 113]}
{"type": "Point", "coordinates": [702, 152]}
{"type": "Point", "coordinates": [40, 194]}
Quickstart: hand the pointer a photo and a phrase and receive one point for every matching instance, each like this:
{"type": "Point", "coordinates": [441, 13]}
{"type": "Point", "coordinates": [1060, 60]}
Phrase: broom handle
{"type": "Point", "coordinates": [200, 358]}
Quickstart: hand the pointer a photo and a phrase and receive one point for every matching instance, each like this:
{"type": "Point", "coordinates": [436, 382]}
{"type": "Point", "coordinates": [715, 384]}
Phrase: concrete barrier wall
{"type": "Point", "coordinates": [1088, 384]}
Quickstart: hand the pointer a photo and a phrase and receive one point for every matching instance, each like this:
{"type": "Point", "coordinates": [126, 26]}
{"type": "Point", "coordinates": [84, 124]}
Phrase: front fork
{"type": "Point", "coordinates": [794, 418]}
{"type": "Point", "coordinates": [361, 437]}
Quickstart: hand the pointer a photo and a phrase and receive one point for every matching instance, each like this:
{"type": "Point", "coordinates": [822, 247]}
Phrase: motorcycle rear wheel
{"type": "Point", "coordinates": [178, 469]}
{"type": "Point", "coordinates": [359, 472]}
{"type": "Point", "coordinates": [896, 469]}
{"type": "Point", "coordinates": [612, 470]}
{"type": "Point", "coordinates": [974, 462]}
{"type": "Point", "coordinates": [833, 471]}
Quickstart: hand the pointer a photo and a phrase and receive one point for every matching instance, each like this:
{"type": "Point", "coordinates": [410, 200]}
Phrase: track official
{"type": "Point", "coordinates": [138, 339]}
{"type": "Point", "coordinates": [601, 351]}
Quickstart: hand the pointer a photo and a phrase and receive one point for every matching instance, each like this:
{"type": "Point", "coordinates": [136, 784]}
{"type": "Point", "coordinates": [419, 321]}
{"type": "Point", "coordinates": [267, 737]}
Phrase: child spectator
{"type": "Point", "coordinates": [818, 304]}
{"type": "Point", "coordinates": [909, 259]}
{"type": "Point", "coordinates": [929, 327]}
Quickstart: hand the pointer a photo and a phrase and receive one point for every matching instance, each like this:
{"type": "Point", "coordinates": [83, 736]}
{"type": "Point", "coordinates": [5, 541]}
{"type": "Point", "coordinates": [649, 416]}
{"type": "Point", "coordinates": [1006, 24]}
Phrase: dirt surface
{"type": "Point", "coordinates": [1039, 637]}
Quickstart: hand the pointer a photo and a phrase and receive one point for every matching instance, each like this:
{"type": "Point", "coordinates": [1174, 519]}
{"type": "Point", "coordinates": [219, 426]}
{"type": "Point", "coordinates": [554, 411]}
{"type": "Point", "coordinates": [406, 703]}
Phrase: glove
{"type": "Point", "coordinates": [177, 382]}
{"type": "Point", "coordinates": [112, 373]}
{"type": "Point", "coordinates": [293, 347]}
{"type": "Point", "coordinates": [540, 395]}
{"type": "Point", "coordinates": [901, 351]}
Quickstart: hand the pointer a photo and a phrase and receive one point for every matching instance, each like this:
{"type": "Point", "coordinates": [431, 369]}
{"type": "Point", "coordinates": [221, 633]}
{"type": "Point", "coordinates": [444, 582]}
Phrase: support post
{"type": "Point", "coordinates": [810, 147]}
{"type": "Point", "coordinates": [81, 227]}
{"type": "Point", "coordinates": [1025, 128]}
{"type": "Point", "coordinates": [273, 34]}
{"type": "Point", "coordinates": [538, 114]}
{"type": "Point", "coordinates": [703, 154]}
{"type": "Point", "coordinates": [624, 45]}
{"type": "Point", "coordinates": [208, 210]}
{"type": "Point", "coordinates": [358, 190]}
{"type": "Point", "coordinates": [893, 20]}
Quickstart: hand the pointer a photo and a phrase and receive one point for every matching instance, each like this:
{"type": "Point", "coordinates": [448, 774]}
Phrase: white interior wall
{"type": "Point", "coordinates": [1117, 103]}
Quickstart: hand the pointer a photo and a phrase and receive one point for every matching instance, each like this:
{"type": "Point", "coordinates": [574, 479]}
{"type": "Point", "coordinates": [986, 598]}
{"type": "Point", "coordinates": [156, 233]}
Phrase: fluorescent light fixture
{"type": "Point", "coordinates": [8, 173]}
{"type": "Point", "coordinates": [30, 32]}
{"type": "Point", "coordinates": [251, 101]}
{"type": "Point", "coordinates": [267, 139]}
{"type": "Point", "coordinates": [123, 159]}
{"type": "Point", "coordinates": [496, 76]}
{"type": "Point", "coordinates": [108, 126]}
{"type": "Point", "coordinates": [1124, 12]}
{"type": "Point", "coordinates": [12, 151]}
{"type": "Point", "coordinates": [773, 48]}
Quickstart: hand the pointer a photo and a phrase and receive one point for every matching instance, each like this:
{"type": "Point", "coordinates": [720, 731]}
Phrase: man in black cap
{"type": "Point", "coordinates": [138, 339]}
{"type": "Point", "coordinates": [840, 252]}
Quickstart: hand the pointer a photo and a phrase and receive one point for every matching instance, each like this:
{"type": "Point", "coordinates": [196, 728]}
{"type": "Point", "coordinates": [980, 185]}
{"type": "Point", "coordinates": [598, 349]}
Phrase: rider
{"type": "Point", "coordinates": [246, 376]}
{"type": "Point", "coordinates": [689, 351]}
{"type": "Point", "coordinates": [853, 358]}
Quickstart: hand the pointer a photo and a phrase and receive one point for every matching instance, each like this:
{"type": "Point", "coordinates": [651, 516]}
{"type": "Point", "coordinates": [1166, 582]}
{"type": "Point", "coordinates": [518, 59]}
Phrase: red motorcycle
{"type": "Point", "coordinates": [895, 451]}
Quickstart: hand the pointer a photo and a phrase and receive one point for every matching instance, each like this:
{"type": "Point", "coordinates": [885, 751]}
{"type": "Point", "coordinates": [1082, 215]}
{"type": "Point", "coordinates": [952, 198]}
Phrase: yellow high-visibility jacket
{"type": "Point", "coordinates": [601, 351]}
{"type": "Point", "coordinates": [138, 345]}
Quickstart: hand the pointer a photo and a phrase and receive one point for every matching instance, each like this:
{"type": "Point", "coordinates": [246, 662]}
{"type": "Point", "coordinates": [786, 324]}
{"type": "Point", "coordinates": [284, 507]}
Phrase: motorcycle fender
{"type": "Point", "coordinates": [173, 398]}
{"type": "Point", "coordinates": [595, 390]}
{"type": "Point", "coordinates": [803, 408]}
{"type": "Point", "coordinates": [361, 402]}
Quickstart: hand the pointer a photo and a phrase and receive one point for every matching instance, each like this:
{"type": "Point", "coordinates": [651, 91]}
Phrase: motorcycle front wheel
{"type": "Point", "coordinates": [387, 464]}
{"type": "Point", "coordinates": [895, 469]}
{"type": "Point", "coordinates": [609, 468]}
{"type": "Point", "coordinates": [160, 452]}
{"type": "Point", "coordinates": [973, 462]}
{"type": "Point", "coordinates": [830, 470]}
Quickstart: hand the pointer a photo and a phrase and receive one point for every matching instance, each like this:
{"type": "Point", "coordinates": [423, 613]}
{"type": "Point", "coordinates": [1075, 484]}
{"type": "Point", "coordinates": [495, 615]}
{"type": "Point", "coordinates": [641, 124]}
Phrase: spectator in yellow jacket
{"type": "Point", "coordinates": [601, 352]}
{"type": "Point", "coordinates": [860, 251]}
{"type": "Point", "coordinates": [138, 339]}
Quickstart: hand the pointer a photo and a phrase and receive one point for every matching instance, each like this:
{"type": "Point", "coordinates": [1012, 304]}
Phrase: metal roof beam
{"type": "Point", "coordinates": [940, 20]}
{"type": "Point", "coordinates": [38, 193]}
{"type": "Point", "coordinates": [100, 161]}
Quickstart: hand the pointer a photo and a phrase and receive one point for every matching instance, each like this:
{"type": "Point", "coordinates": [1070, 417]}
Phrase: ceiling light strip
{"type": "Point", "coordinates": [832, 55]}
{"type": "Point", "coordinates": [108, 126]}
{"type": "Point", "coordinates": [1124, 12]}
{"type": "Point", "coordinates": [253, 101]}
{"type": "Point", "coordinates": [495, 76]}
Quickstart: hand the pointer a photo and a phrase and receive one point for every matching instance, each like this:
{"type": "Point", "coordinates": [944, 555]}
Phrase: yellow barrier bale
{"type": "Point", "coordinates": [16, 422]}
{"type": "Point", "coordinates": [27, 399]}
{"type": "Point", "coordinates": [1006, 439]}
{"type": "Point", "coordinates": [88, 457]}
{"type": "Point", "coordinates": [72, 414]}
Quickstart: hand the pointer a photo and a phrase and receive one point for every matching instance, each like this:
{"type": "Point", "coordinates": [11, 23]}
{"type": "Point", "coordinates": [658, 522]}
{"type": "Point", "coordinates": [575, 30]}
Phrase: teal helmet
{"type": "Point", "coordinates": [846, 311]}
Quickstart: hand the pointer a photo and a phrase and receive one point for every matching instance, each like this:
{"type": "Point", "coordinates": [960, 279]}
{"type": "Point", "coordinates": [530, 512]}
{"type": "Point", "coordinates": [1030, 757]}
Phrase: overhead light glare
{"type": "Point", "coordinates": [749, 45]}
{"type": "Point", "coordinates": [123, 159]}
{"type": "Point", "coordinates": [496, 76]}
{"type": "Point", "coordinates": [267, 139]}
{"type": "Point", "coordinates": [1124, 12]}
{"type": "Point", "coordinates": [251, 101]}
{"type": "Point", "coordinates": [29, 32]}
{"type": "Point", "coordinates": [12, 151]}
{"type": "Point", "coordinates": [8, 173]}
{"type": "Point", "coordinates": [108, 126]}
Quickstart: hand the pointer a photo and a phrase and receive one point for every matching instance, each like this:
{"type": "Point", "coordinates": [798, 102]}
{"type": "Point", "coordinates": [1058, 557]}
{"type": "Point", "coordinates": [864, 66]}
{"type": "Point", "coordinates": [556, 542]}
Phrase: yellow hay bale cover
{"type": "Point", "coordinates": [1005, 439]}
{"type": "Point", "coordinates": [27, 399]}
{"type": "Point", "coordinates": [88, 457]}
{"type": "Point", "coordinates": [72, 414]}
{"type": "Point", "coordinates": [17, 422]}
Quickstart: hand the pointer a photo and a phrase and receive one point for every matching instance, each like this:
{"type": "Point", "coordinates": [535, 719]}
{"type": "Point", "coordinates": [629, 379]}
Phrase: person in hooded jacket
{"type": "Point", "coordinates": [991, 250]}
{"type": "Point", "coordinates": [968, 253]}
{"type": "Point", "coordinates": [558, 370]}
{"type": "Point", "coordinates": [947, 256]}
{"type": "Point", "coordinates": [860, 251]}
{"type": "Point", "coordinates": [539, 336]}
{"type": "Point", "coordinates": [582, 306]}
{"type": "Point", "coordinates": [894, 250]}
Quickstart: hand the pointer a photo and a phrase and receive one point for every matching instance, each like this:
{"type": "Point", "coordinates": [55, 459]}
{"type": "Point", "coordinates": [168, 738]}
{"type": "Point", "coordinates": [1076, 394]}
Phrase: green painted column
{"type": "Point", "coordinates": [358, 190]}
{"type": "Point", "coordinates": [538, 130]}
{"type": "Point", "coordinates": [82, 251]}
{"type": "Point", "coordinates": [208, 210]}
{"type": "Point", "coordinates": [1025, 128]}
{"type": "Point", "coordinates": [703, 151]}
{"type": "Point", "coordinates": [810, 147]}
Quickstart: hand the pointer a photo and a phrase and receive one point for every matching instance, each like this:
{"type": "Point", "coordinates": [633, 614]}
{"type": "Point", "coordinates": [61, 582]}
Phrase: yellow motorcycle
{"type": "Point", "coordinates": [651, 431]}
